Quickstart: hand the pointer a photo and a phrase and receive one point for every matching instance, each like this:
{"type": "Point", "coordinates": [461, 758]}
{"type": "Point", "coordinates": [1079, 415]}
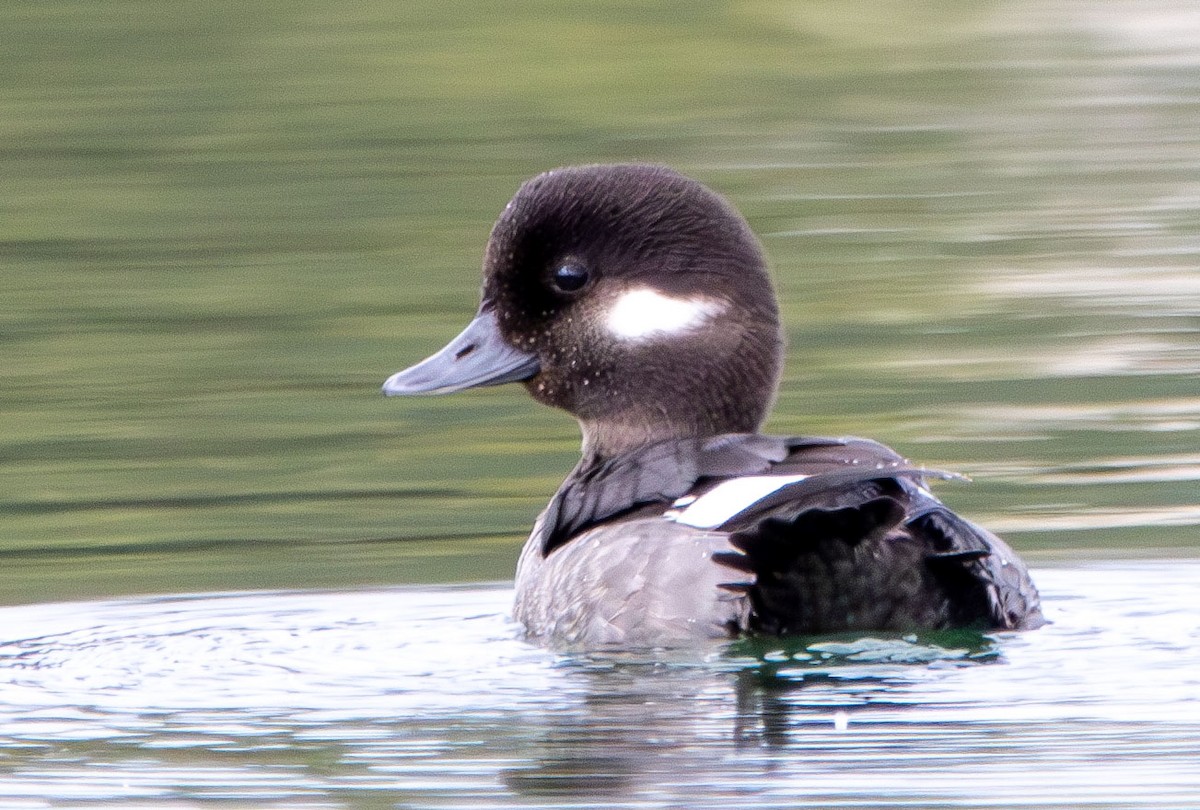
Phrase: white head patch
{"type": "Point", "coordinates": [642, 313]}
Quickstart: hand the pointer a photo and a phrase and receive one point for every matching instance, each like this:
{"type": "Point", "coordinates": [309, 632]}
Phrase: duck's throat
{"type": "Point", "coordinates": [616, 436]}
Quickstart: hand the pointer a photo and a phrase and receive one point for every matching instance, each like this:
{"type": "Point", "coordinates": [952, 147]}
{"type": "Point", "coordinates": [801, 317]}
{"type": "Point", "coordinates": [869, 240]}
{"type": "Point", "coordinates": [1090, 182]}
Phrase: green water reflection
{"type": "Point", "coordinates": [222, 225]}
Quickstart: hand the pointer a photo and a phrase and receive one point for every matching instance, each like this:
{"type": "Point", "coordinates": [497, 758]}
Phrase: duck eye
{"type": "Point", "coordinates": [569, 277]}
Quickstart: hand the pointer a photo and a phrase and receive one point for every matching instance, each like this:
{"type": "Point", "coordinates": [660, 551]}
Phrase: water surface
{"type": "Point", "coordinates": [221, 230]}
{"type": "Point", "coordinates": [426, 697]}
{"type": "Point", "coordinates": [221, 227]}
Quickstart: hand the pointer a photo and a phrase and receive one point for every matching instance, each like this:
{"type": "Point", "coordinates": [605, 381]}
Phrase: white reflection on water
{"type": "Point", "coordinates": [1125, 470]}
{"type": "Point", "coordinates": [1047, 519]}
{"type": "Point", "coordinates": [1038, 420]}
{"type": "Point", "coordinates": [1113, 355]}
{"type": "Point", "coordinates": [1162, 292]}
{"type": "Point", "coordinates": [426, 696]}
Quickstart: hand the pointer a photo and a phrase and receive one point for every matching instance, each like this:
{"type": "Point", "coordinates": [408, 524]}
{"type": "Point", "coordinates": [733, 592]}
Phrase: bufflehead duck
{"type": "Point", "coordinates": [638, 301]}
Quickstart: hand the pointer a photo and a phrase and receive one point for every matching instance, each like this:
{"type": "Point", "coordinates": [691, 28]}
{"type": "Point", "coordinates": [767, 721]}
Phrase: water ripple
{"type": "Point", "coordinates": [428, 696]}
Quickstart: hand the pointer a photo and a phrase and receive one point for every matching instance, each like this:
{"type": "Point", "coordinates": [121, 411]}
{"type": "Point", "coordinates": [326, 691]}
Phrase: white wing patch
{"type": "Point", "coordinates": [727, 498]}
{"type": "Point", "coordinates": [642, 313]}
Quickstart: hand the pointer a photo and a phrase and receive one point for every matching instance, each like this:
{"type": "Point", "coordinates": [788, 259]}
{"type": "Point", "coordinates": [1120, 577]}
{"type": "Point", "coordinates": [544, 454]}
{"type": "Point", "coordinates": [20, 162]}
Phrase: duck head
{"type": "Point", "coordinates": [630, 296]}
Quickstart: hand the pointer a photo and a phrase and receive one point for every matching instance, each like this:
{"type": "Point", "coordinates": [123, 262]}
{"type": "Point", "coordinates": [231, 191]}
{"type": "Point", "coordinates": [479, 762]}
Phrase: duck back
{"type": "Point", "coordinates": [745, 533]}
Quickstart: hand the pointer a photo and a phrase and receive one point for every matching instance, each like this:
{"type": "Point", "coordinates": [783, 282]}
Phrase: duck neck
{"type": "Point", "coordinates": [732, 395]}
{"type": "Point", "coordinates": [606, 439]}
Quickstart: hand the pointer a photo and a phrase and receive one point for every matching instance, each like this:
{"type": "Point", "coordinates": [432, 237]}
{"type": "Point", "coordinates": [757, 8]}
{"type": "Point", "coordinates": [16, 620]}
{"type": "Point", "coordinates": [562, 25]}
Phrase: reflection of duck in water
{"type": "Point", "coordinates": [627, 723]}
{"type": "Point", "coordinates": [638, 301]}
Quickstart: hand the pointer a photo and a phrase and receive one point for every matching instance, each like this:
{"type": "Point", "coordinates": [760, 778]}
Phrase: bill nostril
{"type": "Point", "coordinates": [464, 351]}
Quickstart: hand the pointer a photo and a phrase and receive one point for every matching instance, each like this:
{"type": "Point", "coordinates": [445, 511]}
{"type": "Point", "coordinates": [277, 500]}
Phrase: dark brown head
{"type": "Point", "coordinates": [628, 295]}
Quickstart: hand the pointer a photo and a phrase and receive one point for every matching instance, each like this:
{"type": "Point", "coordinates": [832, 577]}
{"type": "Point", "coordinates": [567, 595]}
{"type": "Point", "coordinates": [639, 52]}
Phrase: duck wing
{"type": "Point", "coordinates": [598, 490]}
{"type": "Point", "coordinates": [658, 474]}
{"type": "Point", "coordinates": [825, 534]}
{"type": "Point", "coordinates": [865, 545]}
